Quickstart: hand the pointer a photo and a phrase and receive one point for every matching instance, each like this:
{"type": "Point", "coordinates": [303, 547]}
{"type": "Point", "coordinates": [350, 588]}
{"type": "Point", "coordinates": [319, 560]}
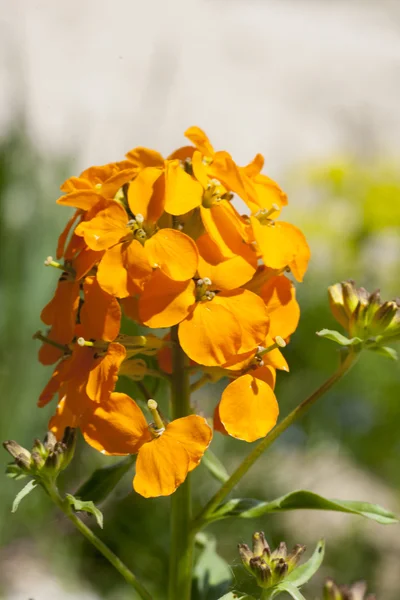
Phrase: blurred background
{"type": "Point", "coordinates": [314, 86]}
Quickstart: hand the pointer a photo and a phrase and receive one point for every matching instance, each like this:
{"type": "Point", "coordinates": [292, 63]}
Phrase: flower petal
{"type": "Point", "coordinates": [227, 172]}
{"type": "Point", "coordinates": [250, 312]}
{"type": "Point", "coordinates": [146, 194]}
{"type": "Point", "coordinates": [101, 313]}
{"type": "Point", "coordinates": [225, 274]}
{"type": "Point", "coordinates": [248, 409]}
{"type": "Point", "coordinates": [200, 140]}
{"type": "Point", "coordinates": [63, 417]}
{"type": "Point", "coordinates": [61, 311]}
{"type": "Point", "coordinates": [116, 426]}
{"type": "Point", "coordinates": [54, 383]}
{"type": "Point", "coordinates": [225, 227]}
{"type": "Point", "coordinates": [194, 433]}
{"type": "Point", "coordinates": [165, 302]}
{"type": "Point", "coordinates": [65, 233]}
{"type": "Point", "coordinates": [161, 466]}
{"type": "Point", "coordinates": [107, 228]}
{"type": "Point", "coordinates": [84, 262]}
{"type": "Point", "coordinates": [144, 157]}
{"type": "Point", "coordinates": [279, 295]}
{"type": "Point", "coordinates": [85, 199]}
{"type": "Point", "coordinates": [104, 373]}
{"type": "Point", "coordinates": [174, 253]}
{"type": "Point", "coordinates": [182, 191]}
{"type": "Point", "coordinates": [282, 244]}
{"type": "Point", "coordinates": [210, 335]}
{"type": "Point", "coordinates": [123, 269]}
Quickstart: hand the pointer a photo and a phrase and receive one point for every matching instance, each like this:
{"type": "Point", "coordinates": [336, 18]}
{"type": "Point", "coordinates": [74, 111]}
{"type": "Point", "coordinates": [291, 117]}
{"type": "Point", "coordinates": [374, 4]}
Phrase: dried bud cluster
{"type": "Point", "coordinates": [269, 568]}
{"type": "Point", "coordinates": [356, 591]}
{"type": "Point", "coordinates": [46, 459]}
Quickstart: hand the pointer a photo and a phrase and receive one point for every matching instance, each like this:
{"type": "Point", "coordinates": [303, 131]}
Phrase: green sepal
{"type": "Point", "coordinates": [103, 481]}
{"type": "Point", "coordinates": [215, 466]}
{"type": "Point", "coordinates": [15, 472]}
{"type": "Point", "coordinates": [385, 351]}
{"type": "Point", "coordinates": [249, 508]}
{"type": "Point", "coordinates": [85, 506]}
{"type": "Point", "coordinates": [335, 336]}
{"type": "Point", "coordinates": [303, 573]}
{"type": "Point", "coordinates": [290, 589]}
{"type": "Point", "coordinates": [24, 492]}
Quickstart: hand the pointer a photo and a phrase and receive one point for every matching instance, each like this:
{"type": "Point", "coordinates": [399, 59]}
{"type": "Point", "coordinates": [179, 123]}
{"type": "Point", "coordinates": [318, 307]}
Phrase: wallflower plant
{"type": "Point", "coordinates": [211, 292]}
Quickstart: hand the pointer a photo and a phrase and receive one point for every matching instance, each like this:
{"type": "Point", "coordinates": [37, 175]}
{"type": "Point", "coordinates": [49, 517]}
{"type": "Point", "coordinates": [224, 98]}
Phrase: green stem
{"type": "Point", "coordinates": [267, 594]}
{"type": "Point", "coordinates": [248, 462]}
{"type": "Point", "coordinates": [200, 382]}
{"type": "Point", "coordinates": [97, 543]}
{"type": "Point", "coordinates": [182, 539]}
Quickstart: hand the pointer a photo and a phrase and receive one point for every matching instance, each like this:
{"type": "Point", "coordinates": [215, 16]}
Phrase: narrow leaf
{"type": "Point", "coordinates": [212, 575]}
{"type": "Point", "coordinates": [335, 336]}
{"type": "Point", "coordinates": [248, 508]}
{"type": "Point", "coordinates": [24, 492]}
{"type": "Point", "coordinates": [215, 466]}
{"type": "Point", "coordinates": [86, 506]}
{"type": "Point", "coordinates": [385, 351]}
{"type": "Point", "coordinates": [303, 573]}
{"type": "Point", "coordinates": [103, 481]}
{"type": "Point", "coordinates": [290, 589]}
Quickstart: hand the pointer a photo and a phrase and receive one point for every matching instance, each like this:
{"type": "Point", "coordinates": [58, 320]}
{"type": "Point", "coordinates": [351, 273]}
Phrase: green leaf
{"type": "Point", "coordinates": [248, 508]}
{"type": "Point", "coordinates": [103, 481]}
{"type": "Point", "coordinates": [86, 506]}
{"type": "Point", "coordinates": [215, 466]}
{"type": "Point", "coordinates": [24, 492]}
{"type": "Point", "coordinates": [212, 575]}
{"type": "Point", "coordinates": [335, 336]}
{"type": "Point", "coordinates": [303, 573]}
{"type": "Point", "coordinates": [290, 589]}
{"type": "Point", "coordinates": [385, 351]}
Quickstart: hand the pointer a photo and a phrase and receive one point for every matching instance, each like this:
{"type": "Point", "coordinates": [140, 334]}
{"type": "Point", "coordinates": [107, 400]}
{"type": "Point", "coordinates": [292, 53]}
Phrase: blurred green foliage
{"type": "Point", "coordinates": [350, 213]}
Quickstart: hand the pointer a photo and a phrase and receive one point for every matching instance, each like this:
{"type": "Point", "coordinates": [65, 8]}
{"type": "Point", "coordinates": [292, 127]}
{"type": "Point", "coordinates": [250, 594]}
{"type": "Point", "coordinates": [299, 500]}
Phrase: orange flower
{"type": "Point", "coordinates": [100, 315]}
{"type": "Point", "coordinates": [133, 248]}
{"type": "Point", "coordinates": [257, 190]}
{"type": "Point", "coordinates": [166, 453]}
{"type": "Point", "coordinates": [96, 184]}
{"type": "Point", "coordinates": [281, 245]}
{"type": "Point", "coordinates": [91, 369]}
{"type": "Point", "coordinates": [248, 409]}
{"type": "Point", "coordinates": [213, 327]}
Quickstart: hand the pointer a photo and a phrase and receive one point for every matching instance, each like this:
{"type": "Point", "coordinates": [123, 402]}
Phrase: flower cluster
{"type": "Point", "coordinates": [161, 240]}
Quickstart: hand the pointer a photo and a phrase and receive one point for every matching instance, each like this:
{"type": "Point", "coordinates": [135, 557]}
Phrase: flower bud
{"type": "Point", "coordinates": [245, 555]}
{"type": "Point", "coordinates": [293, 558]}
{"type": "Point", "coordinates": [47, 459]}
{"type": "Point", "coordinates": [357, 591]}
{"type": "Point", "coordinates": [18, 452]}
{"type": "Point", "coordinates": [69, 445]}
{"type": "Point", "coordinates": [49, 441]}
{"type": "Point", "coordinates": [269, 568]}
{"type": "Point", "coordinates": [260, 544]}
